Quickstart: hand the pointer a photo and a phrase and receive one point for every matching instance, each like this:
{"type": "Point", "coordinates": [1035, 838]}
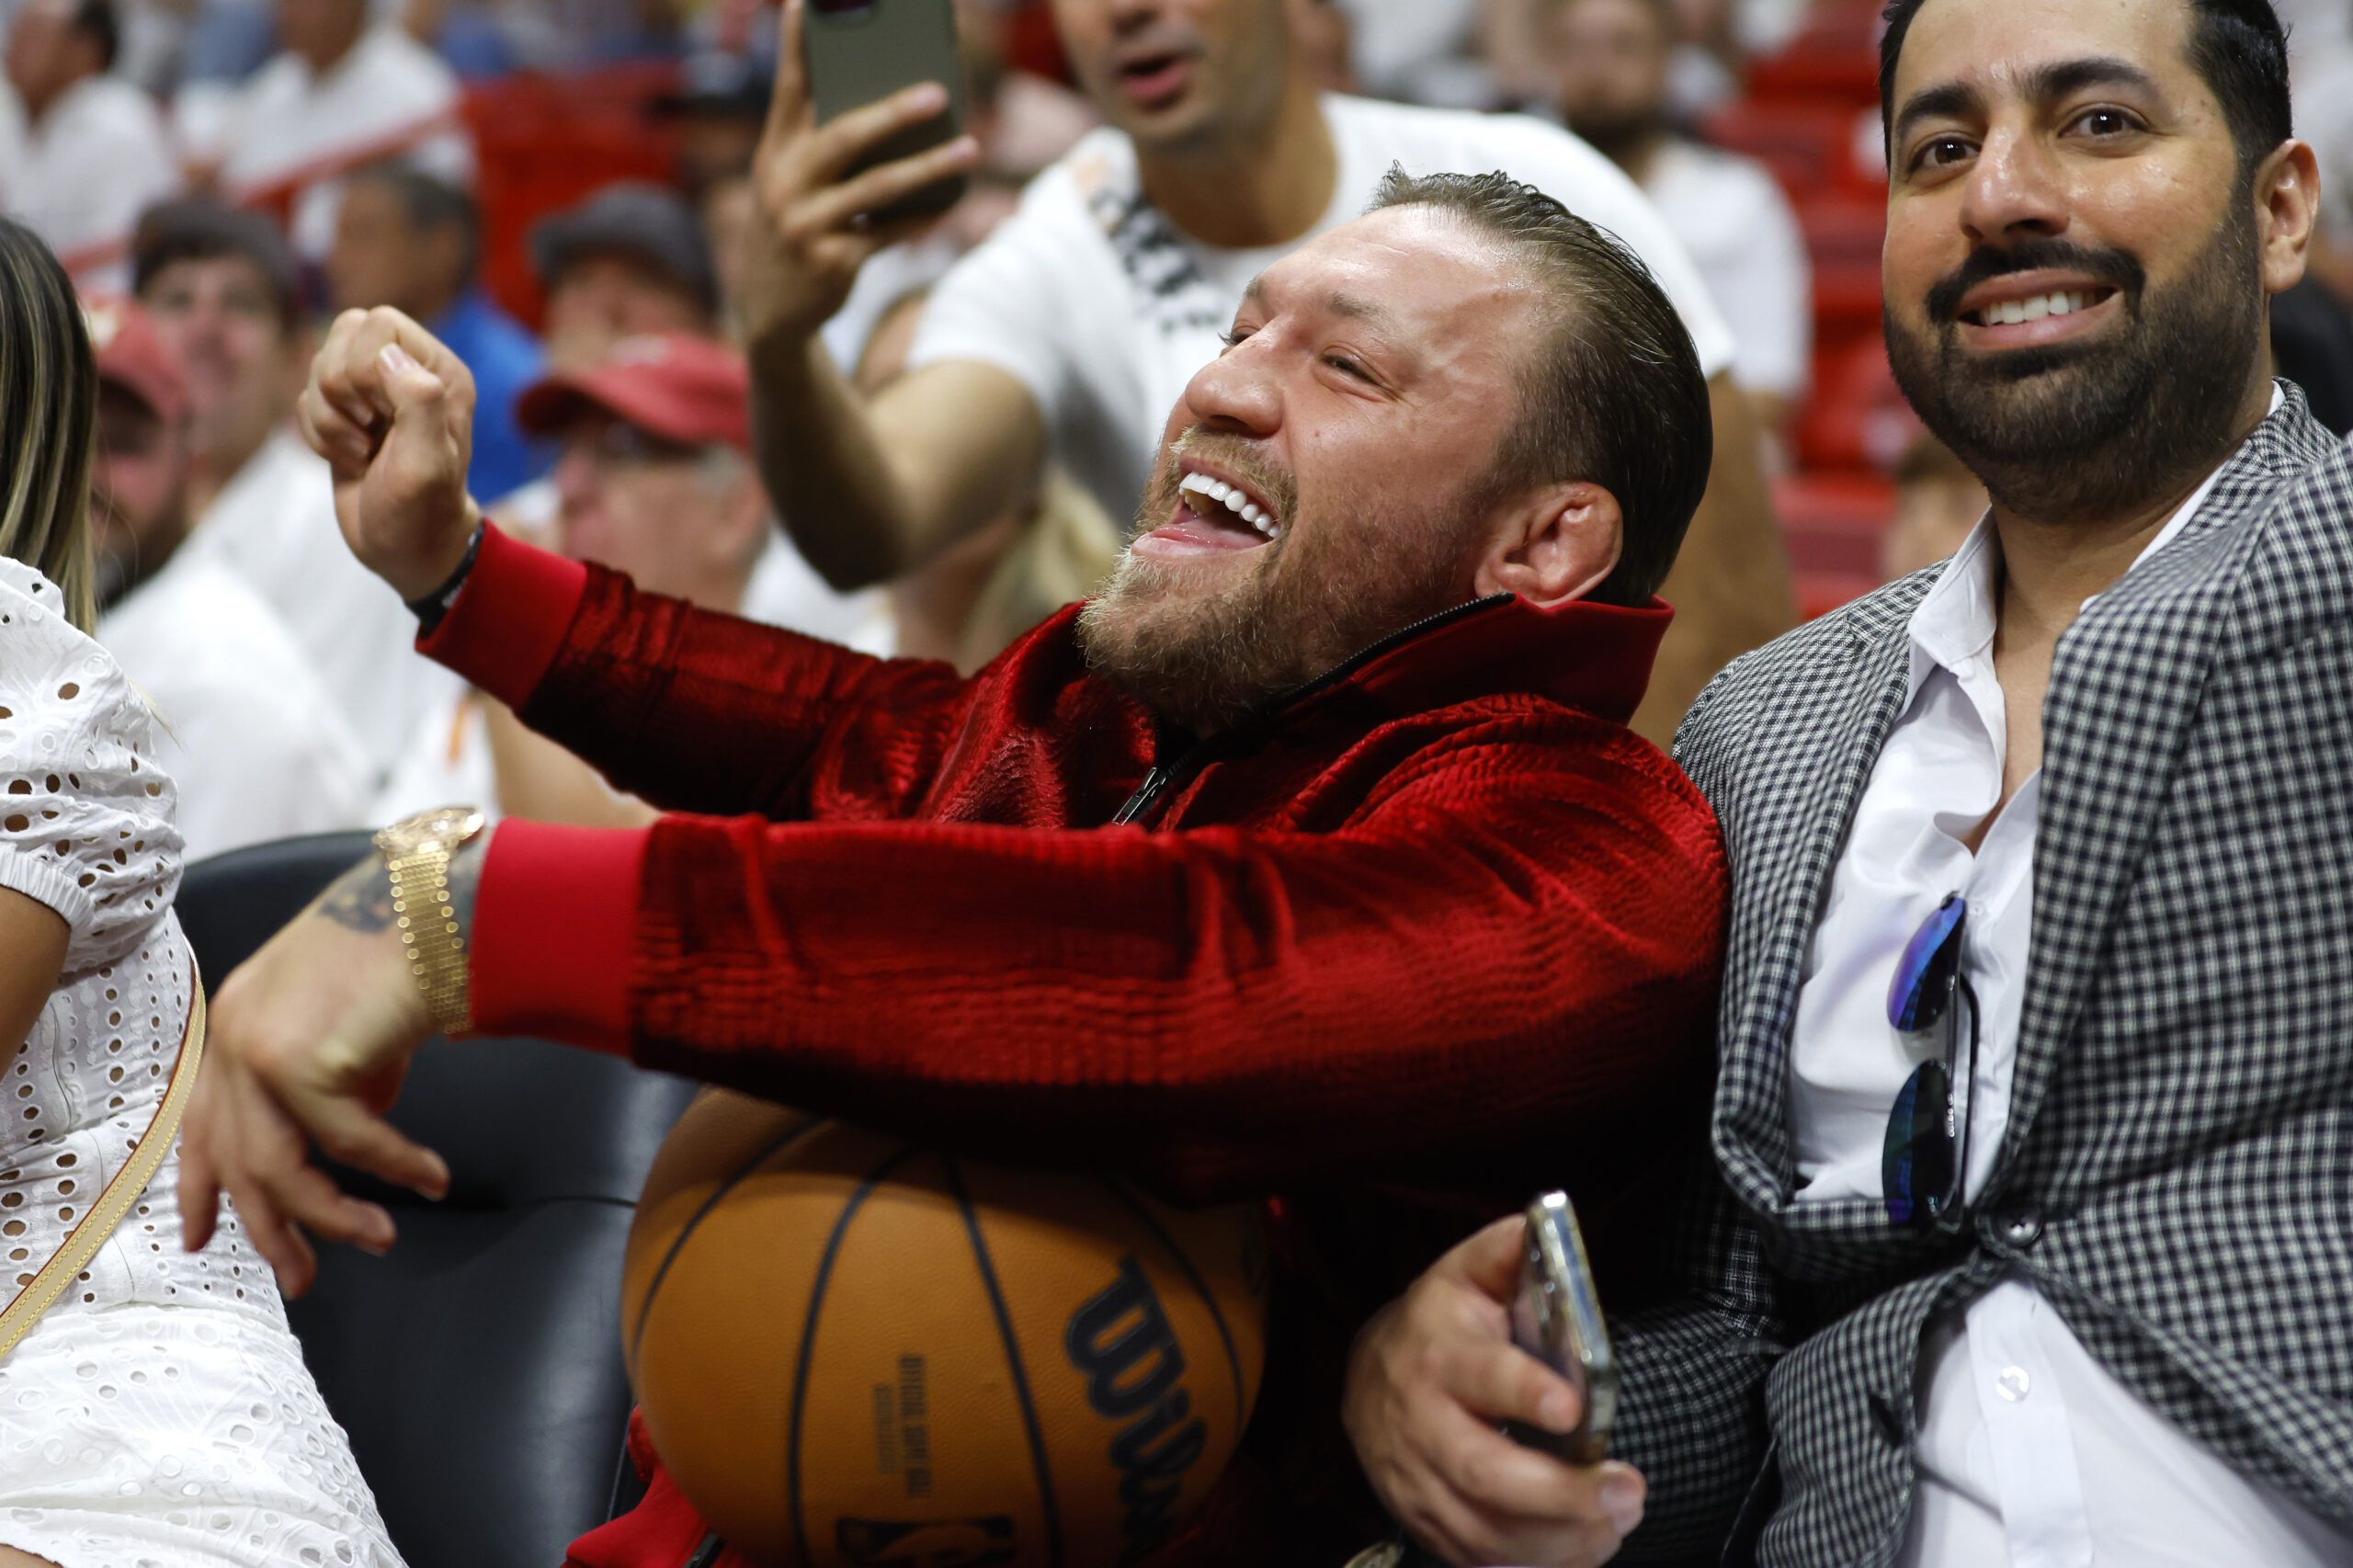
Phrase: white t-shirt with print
{"type": "Point", "coordinates": [1092, 300]}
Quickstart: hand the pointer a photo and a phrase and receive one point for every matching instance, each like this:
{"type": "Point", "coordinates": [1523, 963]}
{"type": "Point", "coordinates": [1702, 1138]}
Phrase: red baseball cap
{"type": "Point", "coordinates": [683, 389]}
{"type": "Point", "coordinates": [134, 355]}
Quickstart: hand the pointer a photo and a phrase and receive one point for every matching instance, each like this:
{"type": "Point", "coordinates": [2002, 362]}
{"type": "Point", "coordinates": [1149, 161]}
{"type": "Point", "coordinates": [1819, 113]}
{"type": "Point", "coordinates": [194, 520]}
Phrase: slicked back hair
{"type": "Point", "coordinates": [2237, 46]}
{"type": "Point", "coordinates": [1613, 394]}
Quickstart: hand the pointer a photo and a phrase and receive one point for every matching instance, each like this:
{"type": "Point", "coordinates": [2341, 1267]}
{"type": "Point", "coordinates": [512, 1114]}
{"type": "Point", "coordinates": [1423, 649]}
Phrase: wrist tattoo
{"type": "Point", "coordinates": [360, 899]}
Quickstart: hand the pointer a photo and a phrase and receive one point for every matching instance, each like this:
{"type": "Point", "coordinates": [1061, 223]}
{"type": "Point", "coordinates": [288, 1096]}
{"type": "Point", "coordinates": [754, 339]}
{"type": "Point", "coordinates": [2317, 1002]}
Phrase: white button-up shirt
{"type": "Point", "coordinates": [257, 747]}
{"type": "Point", "coordinates": [2030, 1452]}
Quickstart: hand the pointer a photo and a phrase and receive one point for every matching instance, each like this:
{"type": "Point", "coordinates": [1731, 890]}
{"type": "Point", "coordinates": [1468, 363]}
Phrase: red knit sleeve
{"type": "Point", "coordinates": [686, 708]}
{"type": "Point", "coordinates": [1514, 939]}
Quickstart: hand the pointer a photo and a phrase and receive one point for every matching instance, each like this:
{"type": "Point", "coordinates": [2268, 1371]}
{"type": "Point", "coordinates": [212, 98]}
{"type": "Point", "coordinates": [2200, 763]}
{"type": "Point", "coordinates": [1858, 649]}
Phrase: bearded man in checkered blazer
{"type": "Point", "coordinates": [2026, 1230]}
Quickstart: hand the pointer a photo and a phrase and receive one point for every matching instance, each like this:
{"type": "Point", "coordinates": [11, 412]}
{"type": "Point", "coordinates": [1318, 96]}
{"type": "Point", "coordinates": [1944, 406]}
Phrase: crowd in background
{"type": "Point", "coordinates": [560, 190]}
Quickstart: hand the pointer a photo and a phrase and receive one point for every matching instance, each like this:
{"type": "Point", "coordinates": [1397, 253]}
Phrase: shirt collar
{"type": "Point", "coordinates": [1954, 621]}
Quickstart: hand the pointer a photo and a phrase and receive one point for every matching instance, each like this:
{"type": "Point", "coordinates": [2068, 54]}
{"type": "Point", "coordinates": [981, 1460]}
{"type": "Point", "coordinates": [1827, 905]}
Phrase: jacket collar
{"type": "Point", "coordinates": [1596, 658]}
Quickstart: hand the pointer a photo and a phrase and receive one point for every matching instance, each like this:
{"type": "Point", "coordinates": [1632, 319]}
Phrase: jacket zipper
{"type": "Point", "coordinates": [1164, 774]}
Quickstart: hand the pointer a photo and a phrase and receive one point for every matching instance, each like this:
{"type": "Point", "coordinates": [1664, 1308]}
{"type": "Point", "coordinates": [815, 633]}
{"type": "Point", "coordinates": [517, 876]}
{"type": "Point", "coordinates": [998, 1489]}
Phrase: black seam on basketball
{"type": "Point", "coordinates": [809, 1337]}
{"type": "Point", "coordinates": [1013, 1361]}
{"type": "Point", "coordinates": [1200, 1288]}
{"type": "Point", "coordinates": [783, 1141]}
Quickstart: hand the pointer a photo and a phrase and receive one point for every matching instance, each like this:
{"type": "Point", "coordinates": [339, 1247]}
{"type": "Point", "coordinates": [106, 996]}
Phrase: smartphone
{"type": "Point", "coordinates": [1556, 1317]}
{"type": "Point", "coordinates": [859, 51]}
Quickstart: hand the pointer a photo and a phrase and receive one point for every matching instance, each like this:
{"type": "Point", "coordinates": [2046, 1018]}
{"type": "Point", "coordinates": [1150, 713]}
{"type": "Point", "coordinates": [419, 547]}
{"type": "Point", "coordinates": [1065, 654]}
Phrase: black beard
{"type": "Point", "coordinates": [2077, 433]}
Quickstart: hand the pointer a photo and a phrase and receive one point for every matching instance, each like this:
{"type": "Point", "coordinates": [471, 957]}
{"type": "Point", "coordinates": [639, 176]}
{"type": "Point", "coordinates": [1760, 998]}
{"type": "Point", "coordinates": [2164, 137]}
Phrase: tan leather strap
{"type": "Point", "coordinates": [83, 1242]}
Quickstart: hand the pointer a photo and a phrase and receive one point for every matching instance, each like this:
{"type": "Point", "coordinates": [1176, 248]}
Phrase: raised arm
{"type": "Point", "coordinates": [868, 491]}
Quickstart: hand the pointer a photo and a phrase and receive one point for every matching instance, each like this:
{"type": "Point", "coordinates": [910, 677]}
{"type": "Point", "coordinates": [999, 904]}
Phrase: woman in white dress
{"type": "Point", "coordinates": [159, 1414]}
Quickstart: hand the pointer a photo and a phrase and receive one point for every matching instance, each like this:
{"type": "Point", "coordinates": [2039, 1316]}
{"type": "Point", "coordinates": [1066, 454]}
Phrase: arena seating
{"type": "Point", "coordinates": [478, 1366]}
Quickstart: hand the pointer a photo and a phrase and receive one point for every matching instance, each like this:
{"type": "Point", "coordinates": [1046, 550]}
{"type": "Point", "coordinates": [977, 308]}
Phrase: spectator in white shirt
{"type": "Point", "coordinates": [252, 738]}
{"type": "Point", "coordinates": [341, 93]}
{"type": "Point", "coordinates": [221, 285]}
{"type": "Point", "coordinates": [94, 154]}
{"type": "Point", "coordinates": [1610, 61]}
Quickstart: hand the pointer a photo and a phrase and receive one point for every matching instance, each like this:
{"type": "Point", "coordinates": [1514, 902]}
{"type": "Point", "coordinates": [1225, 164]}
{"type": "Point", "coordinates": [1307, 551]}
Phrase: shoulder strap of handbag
{"type": "Point", "coordinates": [114, 1201]}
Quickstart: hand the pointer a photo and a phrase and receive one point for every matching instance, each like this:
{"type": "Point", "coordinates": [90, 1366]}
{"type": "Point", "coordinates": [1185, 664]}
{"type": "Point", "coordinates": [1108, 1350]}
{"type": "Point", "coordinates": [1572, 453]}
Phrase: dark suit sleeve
{"type": "Point", "coordinates": [1692, 1379]}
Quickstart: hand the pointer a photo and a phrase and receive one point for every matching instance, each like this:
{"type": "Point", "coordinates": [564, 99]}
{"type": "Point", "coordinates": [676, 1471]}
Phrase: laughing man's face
{"type": "Point", "coordinates": [1324, 480]}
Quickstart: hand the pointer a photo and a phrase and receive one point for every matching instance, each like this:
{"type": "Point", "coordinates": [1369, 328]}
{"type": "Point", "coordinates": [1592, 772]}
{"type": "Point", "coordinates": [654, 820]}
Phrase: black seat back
{"type": "Point", "coordinates": [478, 1366]}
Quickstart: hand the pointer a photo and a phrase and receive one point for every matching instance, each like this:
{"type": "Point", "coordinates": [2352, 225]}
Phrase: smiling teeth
{"type": "Point", "coordinates": [2016, 313]}
{"type": "Point", "coordinates": [1232, 499]}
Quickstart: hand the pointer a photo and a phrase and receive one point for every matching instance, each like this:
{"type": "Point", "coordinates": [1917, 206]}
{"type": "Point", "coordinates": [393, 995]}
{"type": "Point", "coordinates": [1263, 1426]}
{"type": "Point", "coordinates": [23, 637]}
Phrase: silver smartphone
{"type": "Point", "coordinates": [1556, 1317]}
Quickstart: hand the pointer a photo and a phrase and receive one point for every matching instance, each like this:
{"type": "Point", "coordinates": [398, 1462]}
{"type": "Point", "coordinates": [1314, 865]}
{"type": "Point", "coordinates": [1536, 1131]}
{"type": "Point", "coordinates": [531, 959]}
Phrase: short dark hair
{"type": "Point", "coordinates": [1615, 396]}
{"type": "Point", "coordinates": [429, 203]}
{"type": "Point", "coordinates": [2238, 45]}
{"type": "Point", "coordinates": [204, 231]}
{"type": "Point", "coordinates": [95, 21]}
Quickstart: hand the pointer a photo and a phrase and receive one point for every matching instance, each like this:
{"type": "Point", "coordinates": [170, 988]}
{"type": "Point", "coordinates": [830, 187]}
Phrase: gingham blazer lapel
{"type": "Point", "coordinates": [1805, 780]}
{"type": "Point", "coordinates": [2124, 685]}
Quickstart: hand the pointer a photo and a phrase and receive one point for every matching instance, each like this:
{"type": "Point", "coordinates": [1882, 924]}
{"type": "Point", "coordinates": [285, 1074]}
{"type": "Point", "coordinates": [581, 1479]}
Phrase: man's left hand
{"type": "Point", "coordinates": [308, 1043]}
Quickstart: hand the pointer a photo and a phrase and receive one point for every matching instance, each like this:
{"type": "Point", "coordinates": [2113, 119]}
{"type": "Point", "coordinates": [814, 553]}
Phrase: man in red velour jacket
{"type": "Point", "coordinates": [1313, 861]}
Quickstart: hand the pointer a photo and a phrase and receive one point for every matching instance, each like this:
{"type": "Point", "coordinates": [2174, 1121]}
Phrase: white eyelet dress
{"type": "Point", "coordinates": [159, 1415]}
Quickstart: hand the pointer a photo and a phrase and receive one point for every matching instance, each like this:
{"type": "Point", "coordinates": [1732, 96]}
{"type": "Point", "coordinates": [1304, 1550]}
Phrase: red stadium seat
{"type": "Point", "coordinates": [1833, 524]}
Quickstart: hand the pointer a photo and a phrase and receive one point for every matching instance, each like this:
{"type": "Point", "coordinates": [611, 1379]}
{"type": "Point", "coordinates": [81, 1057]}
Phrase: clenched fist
{"type": "Point", "coordinates": [392, 412]}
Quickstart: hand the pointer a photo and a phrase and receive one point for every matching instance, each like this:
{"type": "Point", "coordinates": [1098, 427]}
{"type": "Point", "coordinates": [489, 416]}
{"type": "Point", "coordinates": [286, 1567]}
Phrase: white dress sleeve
{"type": "Point", "coordinates": [86, 815]}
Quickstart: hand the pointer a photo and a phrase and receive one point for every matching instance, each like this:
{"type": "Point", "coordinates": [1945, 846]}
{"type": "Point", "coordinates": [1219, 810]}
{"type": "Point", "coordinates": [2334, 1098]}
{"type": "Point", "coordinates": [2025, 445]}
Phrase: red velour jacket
{"type": "Point", "coordinates": [1432, 931]}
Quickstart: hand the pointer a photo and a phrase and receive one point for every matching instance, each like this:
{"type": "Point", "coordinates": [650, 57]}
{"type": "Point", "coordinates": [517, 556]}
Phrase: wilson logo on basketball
{"type": "Point", "coordinates": [1121, 1342]}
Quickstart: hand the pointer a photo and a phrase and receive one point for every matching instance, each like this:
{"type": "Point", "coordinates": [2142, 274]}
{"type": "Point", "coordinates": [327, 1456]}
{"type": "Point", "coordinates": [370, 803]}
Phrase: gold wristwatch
{"type": "Point", "coordinates": [416, 852]}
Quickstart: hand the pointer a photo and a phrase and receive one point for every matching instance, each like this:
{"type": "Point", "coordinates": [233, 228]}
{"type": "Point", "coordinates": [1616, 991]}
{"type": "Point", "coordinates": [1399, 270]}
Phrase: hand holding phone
{"type": "Point", "coordinates": [1556, 1317]}
{"type": "Point", "coordinates": [861, 148]}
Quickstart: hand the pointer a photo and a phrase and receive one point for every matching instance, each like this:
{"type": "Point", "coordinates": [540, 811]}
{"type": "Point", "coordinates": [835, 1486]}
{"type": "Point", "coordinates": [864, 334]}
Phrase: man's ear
{"type": "Point", "coordinates": [2288, 204]}
{"type": "Point", "coordinates": [1558, 545]}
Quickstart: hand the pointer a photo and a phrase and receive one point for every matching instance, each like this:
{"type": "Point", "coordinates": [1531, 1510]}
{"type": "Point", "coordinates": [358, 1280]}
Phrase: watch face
{"type": "Point", "coordinates": [445, 827]}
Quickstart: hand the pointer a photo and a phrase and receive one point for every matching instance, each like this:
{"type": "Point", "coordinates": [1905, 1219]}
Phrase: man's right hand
{"type": "Point", "coordinates": [392, 412]}
{"type": "Point", "coordinates": [810, 239]}
{"type": "Point", "coordinates": [1429, 1380]}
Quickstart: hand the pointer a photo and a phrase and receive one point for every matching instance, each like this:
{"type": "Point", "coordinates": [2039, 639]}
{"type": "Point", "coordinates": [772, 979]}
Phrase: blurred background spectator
{"type": "Point", "coordinates": [257, 747]}
{"type": "Point", "coordinates": [341, 86]}
{"type": "Point", "coordinates": [1610, 61]}
{"type": "Point", "coordinates": [413, 241]}
{"type": "Point", "coordinates": [1937, 501]}
{"type": "Point", "coordinates": [221, 286]}
{"type": "Point", "coordinates": [86, 153]}
{"type": "Point", "coordinates": [630, 262]}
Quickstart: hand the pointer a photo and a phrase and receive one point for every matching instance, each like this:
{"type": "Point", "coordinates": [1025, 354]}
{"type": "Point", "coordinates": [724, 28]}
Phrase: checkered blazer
{"type": "Point", "coordinates": [2177, 1177]}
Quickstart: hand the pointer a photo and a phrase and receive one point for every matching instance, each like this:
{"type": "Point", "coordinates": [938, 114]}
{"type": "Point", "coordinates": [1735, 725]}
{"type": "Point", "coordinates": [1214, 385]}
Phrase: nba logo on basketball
{"type": "Point", "coordinates": [1121, 1342]}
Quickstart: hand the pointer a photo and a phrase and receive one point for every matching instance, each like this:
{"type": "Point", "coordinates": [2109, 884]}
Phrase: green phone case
{"type": "Point", "coordinates": [858, 54]}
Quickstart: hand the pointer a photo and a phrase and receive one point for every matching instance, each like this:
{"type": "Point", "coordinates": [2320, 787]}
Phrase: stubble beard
{"type": "Point", "coordinates": [2078, 433]}
{"type": "Point", "coordinates": [1208, 662]}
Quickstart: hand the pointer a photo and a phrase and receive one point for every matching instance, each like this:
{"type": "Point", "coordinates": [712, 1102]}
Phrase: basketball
{"type": "Point", "coordinates": [851, 1350]}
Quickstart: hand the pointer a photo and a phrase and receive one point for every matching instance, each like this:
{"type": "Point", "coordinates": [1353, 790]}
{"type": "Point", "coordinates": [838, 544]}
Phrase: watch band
{"type": "Point", "coordinates": [416, 854]}
{"type": "Point", "coordinates": [430, 609]}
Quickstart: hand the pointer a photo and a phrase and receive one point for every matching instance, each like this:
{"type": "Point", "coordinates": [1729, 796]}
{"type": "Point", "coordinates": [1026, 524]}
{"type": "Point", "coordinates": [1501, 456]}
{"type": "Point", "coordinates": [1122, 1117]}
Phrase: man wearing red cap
{"type": "Point", "coordinates": [258, 747]}
{"type": "Point", "coordinates": [655, 481]}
